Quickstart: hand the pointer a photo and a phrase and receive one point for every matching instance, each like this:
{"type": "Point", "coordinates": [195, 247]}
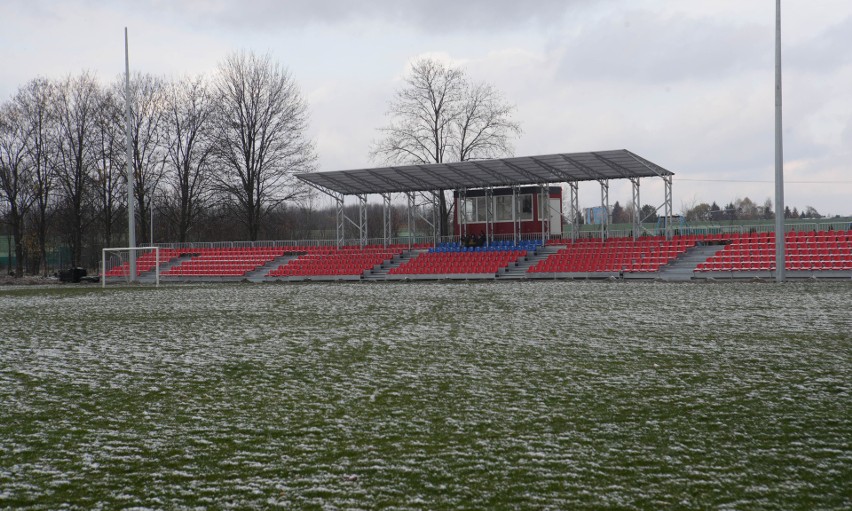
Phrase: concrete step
{"type": "Point", "coordinates": [382, 271]}
{"type": "Point", "coordinates": [260, 272]}
{"type": "Point", "coordinates": [683, 267]}
{"type": "Point", "coordinates": [150, 275]}
{"type": "Point", "coordinates": [519, 270]}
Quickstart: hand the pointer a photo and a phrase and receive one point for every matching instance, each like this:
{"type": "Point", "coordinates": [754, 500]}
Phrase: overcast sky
{"type": "Point", "coordinates": [687, 84]}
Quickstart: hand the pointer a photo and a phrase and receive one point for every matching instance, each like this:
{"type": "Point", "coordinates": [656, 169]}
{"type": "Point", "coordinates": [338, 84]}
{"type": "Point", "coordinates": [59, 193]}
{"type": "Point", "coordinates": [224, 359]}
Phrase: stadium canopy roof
{"type": "Point", "coordinates": [522, 170]}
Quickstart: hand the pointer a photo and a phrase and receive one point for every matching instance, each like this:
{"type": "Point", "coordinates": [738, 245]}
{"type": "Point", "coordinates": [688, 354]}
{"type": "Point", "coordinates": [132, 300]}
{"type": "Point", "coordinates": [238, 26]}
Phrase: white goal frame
{"type": "Point", "coordinates": [132, 278]}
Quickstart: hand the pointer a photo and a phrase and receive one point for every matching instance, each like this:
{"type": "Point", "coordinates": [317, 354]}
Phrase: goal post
{"type": "Point", "coordinates": [115, 264]}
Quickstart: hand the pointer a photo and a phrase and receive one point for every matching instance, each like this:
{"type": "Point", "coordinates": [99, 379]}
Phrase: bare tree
{"type": "Point", "coordinates": [485, 127]}
{"type": "Point", "coordinates": [423, 115]}
{"type": "Point", "coordinates": [698, 213]}
{"type": "Point", "coordinates": [109, 153]}
{"type": "Point", "coordinates": [746, 209]}
{"type": "Point", "coordinates": [36, 102]}
{"type": "Point", "coordinates": [15, 174]}
{"type": "Point", "coordinates": [77, 104]}
{"type": "Point", "coordinates": [189, 136]}
{"type": "Point", "coordinates": [809, 212]}
{"type": "Point", "coordinates": [147, 109]}
{"type": "Point", "coordinates": [440, 117]}
{"type": "Point", "coordinates": [260, 130]}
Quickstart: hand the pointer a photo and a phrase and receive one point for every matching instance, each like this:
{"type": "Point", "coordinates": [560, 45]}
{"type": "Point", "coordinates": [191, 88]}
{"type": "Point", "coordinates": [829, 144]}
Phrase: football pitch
{"type": "Point", "coordinates": [528, 395]}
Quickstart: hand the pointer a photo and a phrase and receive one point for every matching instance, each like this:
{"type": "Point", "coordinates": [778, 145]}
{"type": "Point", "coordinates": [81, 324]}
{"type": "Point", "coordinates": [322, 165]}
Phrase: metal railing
{"type": "Point", "coordinates": [591, 232]}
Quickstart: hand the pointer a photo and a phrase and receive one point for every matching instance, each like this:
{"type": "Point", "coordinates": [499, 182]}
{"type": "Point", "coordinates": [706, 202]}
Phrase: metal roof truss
{"type": "Point", "coordinates": [517, 171]}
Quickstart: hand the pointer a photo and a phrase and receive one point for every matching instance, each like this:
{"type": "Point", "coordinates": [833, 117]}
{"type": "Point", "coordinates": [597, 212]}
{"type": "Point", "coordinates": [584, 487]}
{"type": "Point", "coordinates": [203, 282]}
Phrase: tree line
{"type": "Point", "coordinates": [743, 209]}
{"type": "Point", "coordinates": [213, 158]}
{"type": "Point", "coordinates": [739, 209]}
{"type": "Point", "coordinates": [210, 155]}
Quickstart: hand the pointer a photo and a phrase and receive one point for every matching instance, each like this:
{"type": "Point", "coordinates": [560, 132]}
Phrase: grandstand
{"type": "Point", "coordinates": [733, 255]}
{"type": "Point", "coordinates": [618, 255]}
{"type": "Point", "coordinates": [144, 264]}
{"type": "Point", "coordinates": [823, 251]}
{"type": "Point", "coordinates": [518, 218]}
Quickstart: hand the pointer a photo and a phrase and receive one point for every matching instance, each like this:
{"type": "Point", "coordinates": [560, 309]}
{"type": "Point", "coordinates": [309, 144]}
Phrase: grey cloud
{"type": "Point", "coordinates": [823, 52]}
{"type": "Point", "coordinates": [436, 16]}
{"type": "Point", "coordinates": [640, 47]}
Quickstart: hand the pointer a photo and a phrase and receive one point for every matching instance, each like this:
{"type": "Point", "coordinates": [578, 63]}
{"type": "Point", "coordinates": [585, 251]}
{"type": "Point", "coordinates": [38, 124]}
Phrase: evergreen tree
{"type": "Point", "coordinates": [730, 211]}
{"type": "Point", "coordinates": [618, 215]}
{"type": "Point", "coordinates": [648, 213]}
{"type": "Point", "coordinates": [715, 212]}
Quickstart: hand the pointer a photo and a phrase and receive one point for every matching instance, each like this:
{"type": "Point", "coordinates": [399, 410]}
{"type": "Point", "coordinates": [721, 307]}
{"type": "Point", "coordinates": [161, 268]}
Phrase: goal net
{"type": "Point", "coordinates": [116, 265]}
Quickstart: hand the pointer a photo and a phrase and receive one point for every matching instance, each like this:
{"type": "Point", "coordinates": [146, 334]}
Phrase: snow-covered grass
{"type": "Point", "coordinates": [548, 395]}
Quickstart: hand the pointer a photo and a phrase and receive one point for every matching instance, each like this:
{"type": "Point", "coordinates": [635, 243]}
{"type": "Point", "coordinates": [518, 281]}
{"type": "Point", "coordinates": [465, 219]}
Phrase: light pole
{"type": "Point", "coordinates": [779, 156]}
{"type": "Point", "coordinates": [131, 213]}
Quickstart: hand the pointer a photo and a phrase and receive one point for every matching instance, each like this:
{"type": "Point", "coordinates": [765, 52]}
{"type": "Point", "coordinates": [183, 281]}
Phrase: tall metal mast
{"type": "Point", "coordinates": [131, 178]}
{"type": "Point", "coordinates": [779, 156]}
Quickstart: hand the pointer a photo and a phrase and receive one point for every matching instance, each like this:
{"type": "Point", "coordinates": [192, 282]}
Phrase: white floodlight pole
{"type": "Point", "coordinates": [131, 210]}
{"type": "Point", "coordinates": [779, 156]}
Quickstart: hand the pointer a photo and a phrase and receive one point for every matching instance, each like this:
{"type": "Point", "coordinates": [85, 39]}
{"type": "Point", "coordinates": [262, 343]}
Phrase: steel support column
{"type": "Point", "coordinates": [574, 209]}
{"type": "Point", "coordinates": [461, 212]}
{"type": "Point", "coordinates": [410, 197]}
{"type": "Point", "coordinates": [489, 215]}
{"type": "Point", "coordinates": [544, 208]}
{"type": "Point", "coordinates": [341, 222]}
{"type": "Point", "coordinates": [516, 231]}
{"type": "Point", "coordinates": [362, 221]}
{"type": "Point", "coordinates": [386, 218]}
{"type": "Point", "coordinates": [605, 205]}
{"type": "Point", "coordinates": [436, 212]}
{"type": "Point", "coordinates": [667, 207]}
{"type": "Point", "coordinates": [637, 208]}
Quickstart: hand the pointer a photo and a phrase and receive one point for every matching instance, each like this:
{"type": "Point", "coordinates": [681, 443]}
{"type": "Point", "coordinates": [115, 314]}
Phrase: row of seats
{"type": "Point", "coordinates": [230, 262]}
{"type": "Point", "coordinates": [646, 254]}
{"type": "Point", "coordinates": [821, 251]}
{"type": "Point", "coordinates": [837, 235]}
{"type": "Point", "coordinates": [224, 262]}
{"type": "Point", "coordinates": [769, 265]}
{"type": "Point", "coordinates": [493, 246]}
{"type": "Point", "coordinates": [144, 262]}
{"type": "Point", "coordinates": [235, 252]}
{"type": "Point", "coordinates": [210, 271]}
{"type": "Point", "coordinates": [792, 236]}
{"type": "Point", "coordinates": [457, 262]}
{"type": "Point", "coordinates": [344, 261]}
{"type": "Point", "coordinates": [627, 240]}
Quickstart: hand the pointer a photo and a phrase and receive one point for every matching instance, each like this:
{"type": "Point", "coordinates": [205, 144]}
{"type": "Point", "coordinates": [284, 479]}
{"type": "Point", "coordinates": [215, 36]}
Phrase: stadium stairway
{"type": "Point", "coordinates": [524, 263]}
{"type": "Point", "coordinates": [149, 277]}
{"type": "Point", "coordinates": [381, 273]}
{"type": "Point", "coordinates": [683, 268]}
{"type": "Point", "coordinates": [259, 273]}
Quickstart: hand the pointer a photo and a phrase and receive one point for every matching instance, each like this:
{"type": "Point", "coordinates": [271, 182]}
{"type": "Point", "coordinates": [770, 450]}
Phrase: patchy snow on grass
{"type": "Point", "coordinates": [559, 395]}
